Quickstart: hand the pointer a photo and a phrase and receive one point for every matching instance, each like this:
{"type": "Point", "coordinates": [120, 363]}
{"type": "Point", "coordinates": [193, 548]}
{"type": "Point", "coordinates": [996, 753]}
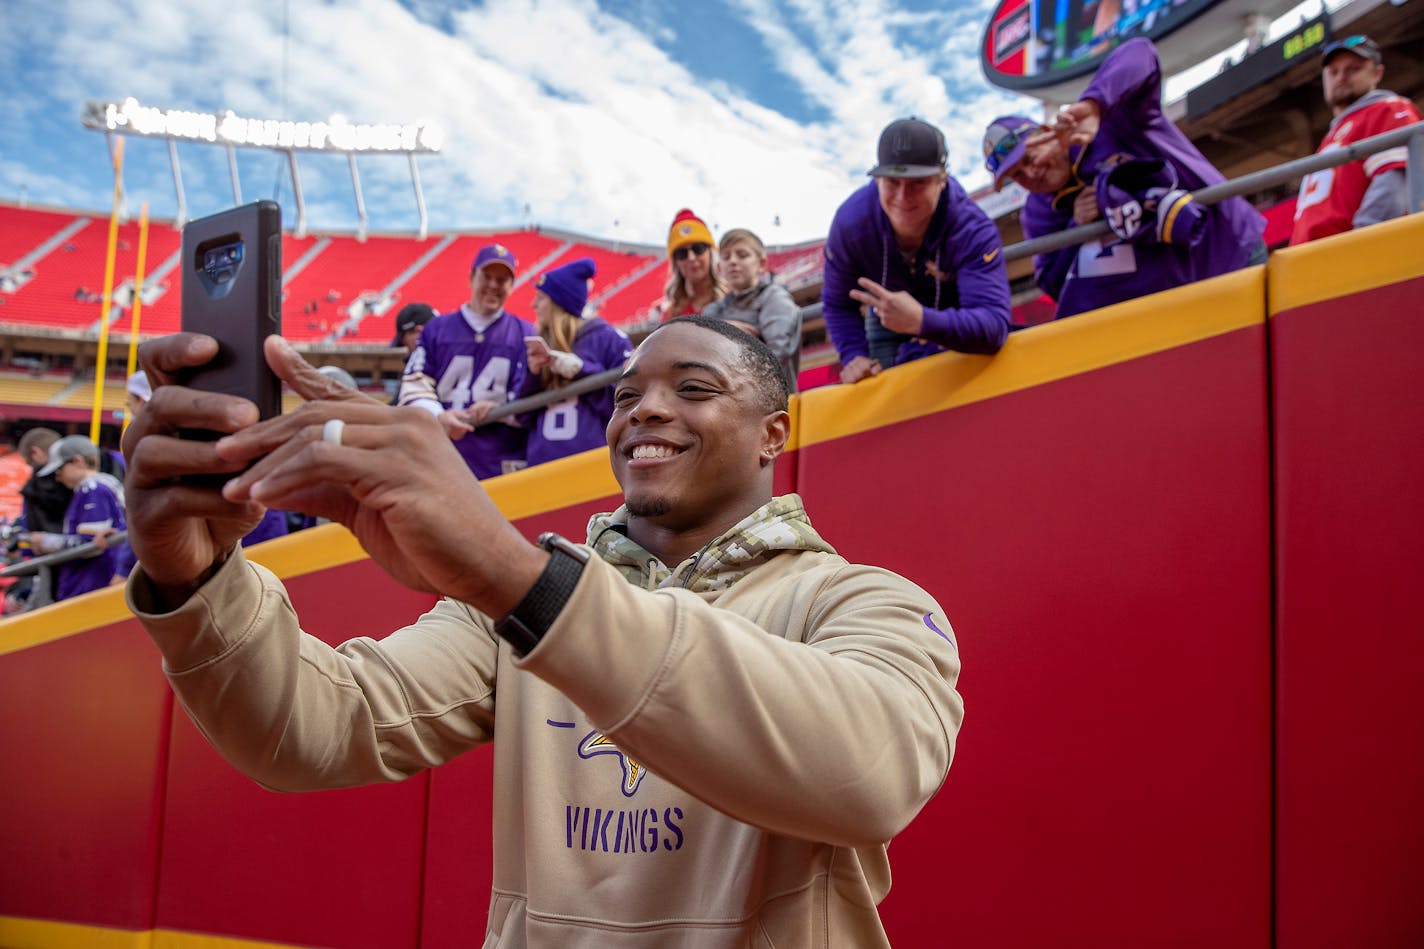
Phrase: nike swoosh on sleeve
{"type": "Point", "coordinates": [989, 257]}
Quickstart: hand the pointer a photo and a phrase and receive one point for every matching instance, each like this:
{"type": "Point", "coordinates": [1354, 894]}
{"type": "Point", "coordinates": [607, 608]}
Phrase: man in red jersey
{"type": "Point", "coordinates": [1335, 200]}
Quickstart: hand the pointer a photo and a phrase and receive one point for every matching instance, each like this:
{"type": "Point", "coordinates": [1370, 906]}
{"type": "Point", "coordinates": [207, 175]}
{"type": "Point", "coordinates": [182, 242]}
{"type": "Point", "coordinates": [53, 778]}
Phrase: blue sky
{"type": "Point", "coordinates": [600, 117]}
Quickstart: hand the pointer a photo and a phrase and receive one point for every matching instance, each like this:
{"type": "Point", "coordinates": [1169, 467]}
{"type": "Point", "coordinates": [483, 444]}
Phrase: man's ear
{"type": "Point", "coordinates": [776, 429]}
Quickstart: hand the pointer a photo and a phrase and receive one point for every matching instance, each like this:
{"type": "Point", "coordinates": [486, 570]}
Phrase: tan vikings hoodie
{"type": "Point", "coordinates": [714, 755]}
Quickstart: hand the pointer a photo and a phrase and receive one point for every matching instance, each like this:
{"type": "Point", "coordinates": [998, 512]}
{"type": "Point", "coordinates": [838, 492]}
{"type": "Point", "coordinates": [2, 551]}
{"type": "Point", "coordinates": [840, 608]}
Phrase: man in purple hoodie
{"type": "Point", "coordinates": [919, 255]}
{"type": "Point", "coordinates": [1119, 119]}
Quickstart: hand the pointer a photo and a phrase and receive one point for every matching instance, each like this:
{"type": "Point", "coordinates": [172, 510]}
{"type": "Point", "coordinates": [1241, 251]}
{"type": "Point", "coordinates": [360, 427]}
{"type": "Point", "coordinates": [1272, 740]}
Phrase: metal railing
{"type": "Point", "coordinates": [42, 568]}
{"type": "Point", "coordinates": [1411, 136]}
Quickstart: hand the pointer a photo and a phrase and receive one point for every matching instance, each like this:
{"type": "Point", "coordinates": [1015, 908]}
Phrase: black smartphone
{"type": "Point", "coordinates": [232, 291]}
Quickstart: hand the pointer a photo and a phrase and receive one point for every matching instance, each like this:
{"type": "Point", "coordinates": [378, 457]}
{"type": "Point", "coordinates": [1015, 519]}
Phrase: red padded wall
{"type": "Point", "coordinates": [83, 752]}
{"type": "Point", "coordinates": [1350, 511]}
{"type": "Point", "coordinates": [338, 868]}
{"type": "Point", "coordinates": [1101, 545]}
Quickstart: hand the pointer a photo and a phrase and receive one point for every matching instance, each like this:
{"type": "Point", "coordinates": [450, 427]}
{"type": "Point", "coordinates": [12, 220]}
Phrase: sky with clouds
{"type": "Point", "coordinates": [602, 118]}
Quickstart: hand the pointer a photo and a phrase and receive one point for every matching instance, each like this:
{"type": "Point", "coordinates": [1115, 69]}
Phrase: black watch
{"type": "Point", "coordinates": [531, 619]}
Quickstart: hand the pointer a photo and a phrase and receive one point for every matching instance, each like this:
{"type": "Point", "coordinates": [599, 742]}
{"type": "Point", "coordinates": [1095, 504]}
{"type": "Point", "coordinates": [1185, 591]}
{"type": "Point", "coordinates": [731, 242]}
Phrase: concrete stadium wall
{"type": "Point", "coordinates": [1175, 537]}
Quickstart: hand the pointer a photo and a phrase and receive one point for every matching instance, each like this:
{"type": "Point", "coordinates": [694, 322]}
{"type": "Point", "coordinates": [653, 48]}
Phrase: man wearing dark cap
{"type": "Point", "coordinates": [463, 365]}
{"type": "Point", "coordinates": [1119, 119]}
{"type": "Point", "coordinates": [409, 322]}
{"type": "Point", "coordinates": [919, 255]}
{"type": "Point", "coordinates": [1375, 188]}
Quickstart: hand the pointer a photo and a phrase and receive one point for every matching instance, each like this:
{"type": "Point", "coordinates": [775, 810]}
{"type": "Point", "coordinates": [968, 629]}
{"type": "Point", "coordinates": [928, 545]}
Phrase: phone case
{"type": "Point", "coordinates": [232, 291]}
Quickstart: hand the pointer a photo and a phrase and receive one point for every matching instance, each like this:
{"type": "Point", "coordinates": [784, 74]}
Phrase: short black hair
{"type": "Point", "coordinates": [768, 375]}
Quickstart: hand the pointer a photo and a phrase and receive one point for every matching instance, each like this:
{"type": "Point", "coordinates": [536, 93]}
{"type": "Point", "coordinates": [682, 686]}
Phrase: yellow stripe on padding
{"type": "Point", "coordinates": [1353, 262]}
{"type": "Point", "coordinates": [329, 545]}
{"type": "Point", "coordinates": [1038, 355]}
{"type": "Point", "coordinates": [20, 933]}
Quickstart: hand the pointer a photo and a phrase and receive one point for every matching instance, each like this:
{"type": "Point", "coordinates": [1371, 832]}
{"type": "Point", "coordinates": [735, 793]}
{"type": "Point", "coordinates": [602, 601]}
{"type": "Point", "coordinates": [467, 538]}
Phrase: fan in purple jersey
{"type": "Point", "coordinates": [1118, 117]}
{"type": "Point", "coordinates": [466, 364]}
{"type": "Point", "coordinates": [569, 347]}
{"type": "Point", "coordinates": [95, 512]}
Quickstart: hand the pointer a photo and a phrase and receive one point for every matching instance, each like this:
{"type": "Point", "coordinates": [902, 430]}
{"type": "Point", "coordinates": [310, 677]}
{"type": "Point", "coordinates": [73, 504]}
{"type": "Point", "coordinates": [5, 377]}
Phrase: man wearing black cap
{"type": "Point", "coordinates": [409, 322]}
{"type": "Point", "coordinates": [1374, 189]}
{"type": "Point", "coordinates": [919, 255]}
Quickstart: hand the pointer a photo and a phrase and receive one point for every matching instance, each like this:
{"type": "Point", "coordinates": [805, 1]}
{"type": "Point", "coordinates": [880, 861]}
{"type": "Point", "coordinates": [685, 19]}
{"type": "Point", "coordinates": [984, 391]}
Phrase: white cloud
{"type": "Point", "coordinates": [559, 105]}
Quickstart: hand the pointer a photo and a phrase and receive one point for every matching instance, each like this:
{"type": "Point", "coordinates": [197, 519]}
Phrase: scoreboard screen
{"type": "Point", "coordinates": [1030, 44]}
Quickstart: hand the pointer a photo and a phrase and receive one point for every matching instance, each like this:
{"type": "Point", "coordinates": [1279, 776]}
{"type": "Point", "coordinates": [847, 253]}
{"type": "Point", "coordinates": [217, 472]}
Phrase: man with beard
{"type": "Point", "coordinates": [1375, 188]}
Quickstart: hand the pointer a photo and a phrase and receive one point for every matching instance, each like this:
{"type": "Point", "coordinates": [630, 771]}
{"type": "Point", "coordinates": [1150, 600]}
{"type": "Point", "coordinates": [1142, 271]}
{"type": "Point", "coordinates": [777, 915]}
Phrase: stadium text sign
{"type": "Point", "coordinates": [334, 135]}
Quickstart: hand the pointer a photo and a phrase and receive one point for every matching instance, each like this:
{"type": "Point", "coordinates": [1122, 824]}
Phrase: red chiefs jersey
{"type": "Point", "coordinates": [1330, 197]}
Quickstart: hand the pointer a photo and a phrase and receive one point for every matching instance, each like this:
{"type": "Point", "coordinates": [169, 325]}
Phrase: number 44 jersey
{"type": "Point", "coordinates": [459, 363]}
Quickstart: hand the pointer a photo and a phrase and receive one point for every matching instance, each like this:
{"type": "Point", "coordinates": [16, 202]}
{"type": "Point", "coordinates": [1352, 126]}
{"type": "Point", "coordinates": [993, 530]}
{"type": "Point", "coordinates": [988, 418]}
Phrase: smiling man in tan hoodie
{"type": "Point", "coordinates": [707, 725]}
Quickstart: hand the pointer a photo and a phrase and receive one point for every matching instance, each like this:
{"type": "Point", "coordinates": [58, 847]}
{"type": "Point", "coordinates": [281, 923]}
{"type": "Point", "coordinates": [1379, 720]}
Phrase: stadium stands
{"type": "Point", "coordinates": [65, 253]}
{"type": "Point", "coordinates": [337, 290]}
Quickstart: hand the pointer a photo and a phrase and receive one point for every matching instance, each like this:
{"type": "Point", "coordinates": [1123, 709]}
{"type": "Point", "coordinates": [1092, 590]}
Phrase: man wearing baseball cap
{"type": "Point", "coordinates": [921, 257]}
{"type": "Point", "coordinates": [1119, 116]}
{"type": "Point", "coordinates": [96, 511]}
{"type": "Point", "coordinates": [1375, 188]}
{"type": "Point", "coordinates": [463, 364]}
{"type": "Point", "coordinates": [409, 322]}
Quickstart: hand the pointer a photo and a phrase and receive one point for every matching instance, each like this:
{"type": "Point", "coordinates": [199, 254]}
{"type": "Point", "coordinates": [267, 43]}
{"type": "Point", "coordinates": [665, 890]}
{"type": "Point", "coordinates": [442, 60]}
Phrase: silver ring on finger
{"type": "Point", "coordinates": [331, 431]}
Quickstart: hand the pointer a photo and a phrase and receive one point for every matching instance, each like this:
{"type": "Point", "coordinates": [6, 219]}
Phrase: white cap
{"type": "Point", "coordinates": [67, 449]}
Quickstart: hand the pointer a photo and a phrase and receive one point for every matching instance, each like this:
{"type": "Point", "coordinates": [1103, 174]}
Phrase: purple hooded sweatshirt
{"type": "Point", "coordinates": [1128, 91]}
{"type": "Point", "coordinates": [957, 274]}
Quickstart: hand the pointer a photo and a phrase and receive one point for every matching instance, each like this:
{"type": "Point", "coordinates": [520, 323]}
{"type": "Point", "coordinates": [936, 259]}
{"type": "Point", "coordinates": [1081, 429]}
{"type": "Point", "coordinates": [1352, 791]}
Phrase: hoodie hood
{"type": "Point", "coordinates": [779, 525]}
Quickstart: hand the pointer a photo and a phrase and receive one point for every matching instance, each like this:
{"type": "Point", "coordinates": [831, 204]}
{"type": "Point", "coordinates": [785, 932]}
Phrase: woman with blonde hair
{"type": "Point", "coordinates": [568, 347]}
{"type": "Point", "coordinates": [693, 281]}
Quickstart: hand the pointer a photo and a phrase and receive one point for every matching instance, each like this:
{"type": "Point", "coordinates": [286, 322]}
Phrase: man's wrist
{"type": "Point", "coordinates": [526, 624]}
{"type": "Point", "coordinates": [168, 596]}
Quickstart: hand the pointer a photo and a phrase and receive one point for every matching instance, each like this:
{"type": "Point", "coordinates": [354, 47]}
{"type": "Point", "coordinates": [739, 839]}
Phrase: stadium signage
{"type": "Point", "coordinates": [228, 128]}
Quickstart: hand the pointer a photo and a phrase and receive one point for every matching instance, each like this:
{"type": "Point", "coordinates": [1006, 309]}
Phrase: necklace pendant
{"type": "Point", "coordinates": [479, 337]}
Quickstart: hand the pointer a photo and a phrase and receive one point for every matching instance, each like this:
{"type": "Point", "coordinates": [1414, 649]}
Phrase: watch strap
{"type": "Point", "coordinates": [527, 623]}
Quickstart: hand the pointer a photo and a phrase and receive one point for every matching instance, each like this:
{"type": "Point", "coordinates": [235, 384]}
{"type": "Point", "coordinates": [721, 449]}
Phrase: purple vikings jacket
{"type": "Point", "coordinates": [97, 506]}
{"type": "Point", "coordinates": [958, 275]}
{"type": "Point", "coordinates": [458, 366]}
{"type": "Point", "coordinates": [1128, 90]}
{"type": "Point", "coordinates": [577, 423]}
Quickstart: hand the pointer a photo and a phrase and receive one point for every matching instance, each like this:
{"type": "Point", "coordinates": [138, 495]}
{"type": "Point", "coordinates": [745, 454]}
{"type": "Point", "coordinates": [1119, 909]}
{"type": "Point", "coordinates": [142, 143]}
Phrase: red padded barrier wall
{"type": "Point", "coordinates": [83, 749]}
{"type": "Point", "coordinates": [340, 868]}
{"type": "Point", "coordinates": [1101, 545]}
{"type": "Point", "coordinates": [1350, 502]}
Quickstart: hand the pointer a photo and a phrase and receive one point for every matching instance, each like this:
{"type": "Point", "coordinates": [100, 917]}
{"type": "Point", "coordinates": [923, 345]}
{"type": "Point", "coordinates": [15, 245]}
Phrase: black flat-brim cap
{"type": "Point", "coordinates": [910, 148]}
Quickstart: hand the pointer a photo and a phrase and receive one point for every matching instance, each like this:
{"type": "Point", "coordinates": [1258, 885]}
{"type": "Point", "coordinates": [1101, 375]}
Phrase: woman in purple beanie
{"type": "Point", "coordinates": [568, 347]}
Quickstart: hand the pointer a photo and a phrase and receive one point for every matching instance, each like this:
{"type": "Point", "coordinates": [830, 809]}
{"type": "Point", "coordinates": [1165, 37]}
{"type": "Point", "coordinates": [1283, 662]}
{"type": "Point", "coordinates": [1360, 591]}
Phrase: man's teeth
{"type": "Point", "coordinates": [653, 451]}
